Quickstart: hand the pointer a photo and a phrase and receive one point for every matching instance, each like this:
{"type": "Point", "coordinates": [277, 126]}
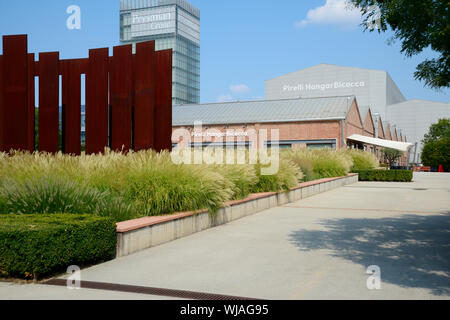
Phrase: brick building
{"type": "Point", "coordinates": [334, 122]}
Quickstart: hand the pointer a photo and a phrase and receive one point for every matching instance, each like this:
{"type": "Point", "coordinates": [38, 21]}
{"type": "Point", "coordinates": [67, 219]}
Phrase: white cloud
{"type": "Point", "coordinates": [236, 90]}
{"type": "Point", "coordinates": [257, 98]}
{"type": "Point", "coordinates": [225, 98]}
{"type": "Point", "coordinates": [239, 88]}
{"type": "Point", "coordinates": [339, 12]}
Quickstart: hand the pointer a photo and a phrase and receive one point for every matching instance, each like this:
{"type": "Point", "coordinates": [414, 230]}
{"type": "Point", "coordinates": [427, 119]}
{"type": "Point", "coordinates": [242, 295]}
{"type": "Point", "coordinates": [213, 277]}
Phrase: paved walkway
{"type": "Point", "coordinates": [317, 248]}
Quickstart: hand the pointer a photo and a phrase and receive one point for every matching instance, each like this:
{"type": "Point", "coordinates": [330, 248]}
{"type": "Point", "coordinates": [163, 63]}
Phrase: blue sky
{"type": "Point", "coordinates": [243, 42]}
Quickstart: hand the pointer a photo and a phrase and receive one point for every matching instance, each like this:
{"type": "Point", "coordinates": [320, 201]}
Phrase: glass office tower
{"type": "Point", "coordinates": [173, 24]}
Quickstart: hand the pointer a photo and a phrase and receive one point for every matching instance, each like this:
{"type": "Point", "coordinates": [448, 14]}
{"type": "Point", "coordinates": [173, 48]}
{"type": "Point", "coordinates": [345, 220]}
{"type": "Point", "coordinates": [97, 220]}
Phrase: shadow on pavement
{"type": "Point", "coordinates": [412, 251]}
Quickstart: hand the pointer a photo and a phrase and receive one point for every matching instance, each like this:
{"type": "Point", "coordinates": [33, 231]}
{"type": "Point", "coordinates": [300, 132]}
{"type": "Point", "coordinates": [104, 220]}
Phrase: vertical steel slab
{"type": "Point", "coordinates": [31, 104]}
{"type": "Point", "coordinates": [1, 104]}
{"type": "Point", "coordinates": [144, 96]}
{"type": "Point", "coordinates": [121, 74]}
{"type": "Point", "coordinates": [14, 108]}
{"type": "Point", "coordinates": [48, 102]}
{"type": "Point", "coordinates": [163, 111]}
{"type": "Point", "coordinates": [97, 101]}
{"type": "Point", "coordinates": [71, 101]}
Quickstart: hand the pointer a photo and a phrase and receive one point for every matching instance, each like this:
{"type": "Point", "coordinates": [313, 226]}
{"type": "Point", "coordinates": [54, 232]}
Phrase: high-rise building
{"type": "Point", "coordinates": [173, 24]}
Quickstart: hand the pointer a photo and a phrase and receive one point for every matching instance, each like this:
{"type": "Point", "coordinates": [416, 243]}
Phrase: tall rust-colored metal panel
{"type": "Point", "coordinates": [71, 101]}
{"type": "Point", "coordinates": [121, 74]}
{"type": "Point", "coordinates": [144, 107]}
{"type": "Point", "coordinates": [15, 93]}
{"type": "Point", "coordinates": [1, 103]}
{"type": "Point", "coordinates": [48, 101]}
{"type": "Point", "coordinates": [133, 79]}
{"type": "Point", "coordinates": [97, 101]}
{"type": "Point", "coordinates": [163, 111]}
{"type": "Point", "coordinates": [31, 104]}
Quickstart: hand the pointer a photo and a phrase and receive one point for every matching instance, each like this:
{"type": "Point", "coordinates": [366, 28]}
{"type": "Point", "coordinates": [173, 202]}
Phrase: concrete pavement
{"type": "Point", "coordinates": [17, 291]}
{"type": "Point", "coordinates": [317, 248]}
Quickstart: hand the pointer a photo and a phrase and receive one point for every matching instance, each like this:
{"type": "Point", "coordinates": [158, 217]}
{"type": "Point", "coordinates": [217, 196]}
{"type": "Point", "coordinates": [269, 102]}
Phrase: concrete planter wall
{"type": "Point", "coordinates": [139, 234]}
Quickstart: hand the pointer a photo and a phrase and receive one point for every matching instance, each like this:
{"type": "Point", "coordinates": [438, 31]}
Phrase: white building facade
{"type": "Point", "coordinates": [373, 88]}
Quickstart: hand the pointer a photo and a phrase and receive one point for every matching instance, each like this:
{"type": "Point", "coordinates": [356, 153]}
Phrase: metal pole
{"type": "Point", "coordinates": [409, 158]}
{"type": "Point", "coordinates": [415, 152]}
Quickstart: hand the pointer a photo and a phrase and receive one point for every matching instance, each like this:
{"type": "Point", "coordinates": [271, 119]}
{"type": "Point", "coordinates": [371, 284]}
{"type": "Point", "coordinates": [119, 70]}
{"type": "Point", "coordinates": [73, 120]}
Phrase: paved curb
{"type": "Point", "coordinates": [139, 234]}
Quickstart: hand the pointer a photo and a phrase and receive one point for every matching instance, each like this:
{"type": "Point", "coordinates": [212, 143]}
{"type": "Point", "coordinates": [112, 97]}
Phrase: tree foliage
{"type": "Point", "coordinates": [391, 155]}
{"type": "Point", "coordinates": [418, 24]}
{"type": "Point", "coordinates": [436, 150]}
{"type": "Point", "coordinates": [437, 153]}
{"type": "Point", "coordinates": [438, 131]}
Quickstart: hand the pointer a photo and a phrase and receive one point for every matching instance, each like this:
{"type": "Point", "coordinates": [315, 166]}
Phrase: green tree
{"type": "Point", "coordinates": [418, 24]}
{"type": "Point", "coordinates": [391, 155]}
{"type": "Point", "coordinates": [436, 153]}
{"type": "Point", "coordinates": [438, 131]}
{"type": "Point", "coordinates": [436, 150]}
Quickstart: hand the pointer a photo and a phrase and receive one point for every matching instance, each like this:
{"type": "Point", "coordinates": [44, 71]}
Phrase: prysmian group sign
{"type": "Point", "coordinates": [138, 18]}
{"type": "Point", "coordinates": [152, 21]}
{"type": "Point", "coordinates": [323, 86]}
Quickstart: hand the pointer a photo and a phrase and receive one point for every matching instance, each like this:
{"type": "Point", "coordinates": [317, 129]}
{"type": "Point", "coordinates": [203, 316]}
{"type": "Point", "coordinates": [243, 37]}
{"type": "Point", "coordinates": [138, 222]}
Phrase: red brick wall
{"type": "Point", "coordinates": [380, 129]}
{"type": "Point", "coordinates": [313, 130]}
{"type": "Point", "coordinates": [369, 126]}
{"type": "Point", "coordinates": [353, 123]}
{"type": "Point", "coordinates": [319, 130]}
{"type": "Point", "coordinates": [388, 134]}
{"type": "Point", "coordinates": [395, 135]}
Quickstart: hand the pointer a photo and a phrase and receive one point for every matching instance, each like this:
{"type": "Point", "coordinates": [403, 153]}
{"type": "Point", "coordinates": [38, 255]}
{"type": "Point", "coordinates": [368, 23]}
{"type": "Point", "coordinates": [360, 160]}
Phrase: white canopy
{"type": "Point", "coordinates": [402, 146]}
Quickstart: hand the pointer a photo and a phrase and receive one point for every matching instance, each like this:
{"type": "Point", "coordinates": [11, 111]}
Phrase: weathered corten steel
{"type": "Point", "coordinates": [121, 95]}
{"type": "Point", "coordinates": [128, 99]}
{"type": "Point", "coordinates": [2, 139]}
{"type": "Point", "coordinates": [71, 107]}
{"type": "Point", "coordinates": [163, 111]}
{"type": "Point", "coordinates": [48, 101]}
{"type": "Point", "coordinates": [14, 108]}
{"type": "Point", "coordinates": [97, 101]}
{"type": "Point", "coordinates": [31, 104]}
{"type": "Point", "coordinates": [144, 107]}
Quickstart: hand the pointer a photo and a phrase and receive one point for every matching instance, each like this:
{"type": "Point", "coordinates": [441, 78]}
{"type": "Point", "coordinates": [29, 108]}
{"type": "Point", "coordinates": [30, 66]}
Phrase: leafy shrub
{"type": "Point", "coordinates": [305, 164]}
{"type": "Point", "coordinates": [288, 176]}
{"type": "Point", "coordinates": [52, 194]}
{"type": "Point", "coordinates": [363, 160]}
{"type": "Point", "coordinates": [391, 155]}
{"type": "Point", "coordinates": [35, 246]}
{"type": "Point", "coordinates": [21, 166]}
{"type": "Point", "coordinates": [3, 205]}
{"type": "Point", "coordinates": [385, 175]}
{"type": "Point", "coordinates": [436, 153]}
{"type": "Point", "coordinates": [330, 163]}
{"type": "Point", "coordinates": [243, 177]}
{"type": "Point", "coordinates": [126, 186]}
{"type": "Point", "coordinates": [326, 163]}
{"type": "Point", "coordinates": [168, 189]}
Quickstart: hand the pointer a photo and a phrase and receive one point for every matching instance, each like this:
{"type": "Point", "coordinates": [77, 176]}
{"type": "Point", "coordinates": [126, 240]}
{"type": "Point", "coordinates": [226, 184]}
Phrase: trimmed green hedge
{"type": "Point", "coordinates": [35, 246]}
{"type": "Point", "coordinates": [385, 175]}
